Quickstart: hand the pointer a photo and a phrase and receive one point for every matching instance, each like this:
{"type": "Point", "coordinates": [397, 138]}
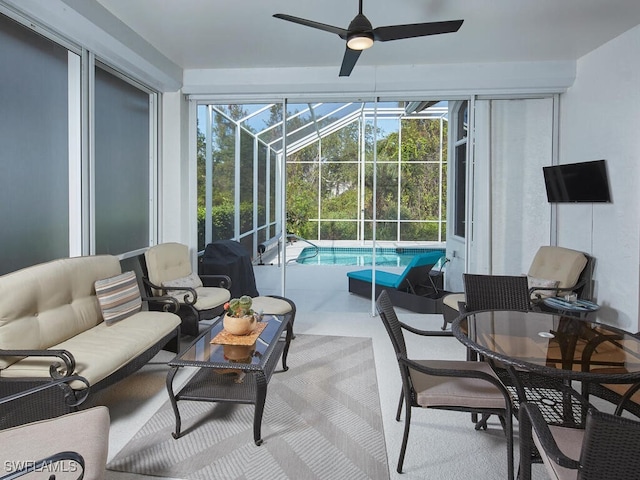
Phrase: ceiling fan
{"type": "Point", "coordinates": [360, 35]}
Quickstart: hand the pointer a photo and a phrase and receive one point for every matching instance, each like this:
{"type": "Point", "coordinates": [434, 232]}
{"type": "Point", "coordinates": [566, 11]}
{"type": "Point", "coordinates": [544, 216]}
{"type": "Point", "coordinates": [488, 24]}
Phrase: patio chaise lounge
{"type": "Point", "coordinates": [417, 288]}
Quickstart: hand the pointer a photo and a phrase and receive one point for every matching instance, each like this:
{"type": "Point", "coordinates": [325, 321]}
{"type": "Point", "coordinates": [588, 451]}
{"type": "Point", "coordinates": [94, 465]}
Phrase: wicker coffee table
{"type": "Point", "coordinates": [232, 371]}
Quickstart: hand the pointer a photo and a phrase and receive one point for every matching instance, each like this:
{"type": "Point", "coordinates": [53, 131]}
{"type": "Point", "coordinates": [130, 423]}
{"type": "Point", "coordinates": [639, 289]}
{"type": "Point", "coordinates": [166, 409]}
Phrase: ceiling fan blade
{"type": "Point", "coordinates": [396, 32]}
{"type": "Point", "coordinates": [349, 61]}
{"type": "Point", "coordinates": [310, 23]}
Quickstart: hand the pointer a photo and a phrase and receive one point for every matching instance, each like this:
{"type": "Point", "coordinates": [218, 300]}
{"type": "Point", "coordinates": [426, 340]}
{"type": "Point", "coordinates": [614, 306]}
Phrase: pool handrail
{"type": "Point", "coordinates": [316, 249]}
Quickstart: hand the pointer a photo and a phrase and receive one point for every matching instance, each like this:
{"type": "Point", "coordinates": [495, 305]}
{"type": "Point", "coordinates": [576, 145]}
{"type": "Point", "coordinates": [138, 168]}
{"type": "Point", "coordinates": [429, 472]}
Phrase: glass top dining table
{"type": "Point", "coordinates": [562, 346]}
{"type": "Point", "coordinates": [539, 356]}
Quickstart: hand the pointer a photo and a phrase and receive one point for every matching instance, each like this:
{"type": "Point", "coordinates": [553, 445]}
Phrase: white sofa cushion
{"type": "Point", "coordinates": [103, 349]}
{"type": "Point", "coordinates": [46, 304]}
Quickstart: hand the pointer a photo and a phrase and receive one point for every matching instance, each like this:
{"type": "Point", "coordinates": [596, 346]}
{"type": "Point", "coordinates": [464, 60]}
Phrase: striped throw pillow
{"type": "Point", "coordinates": [119, 297]}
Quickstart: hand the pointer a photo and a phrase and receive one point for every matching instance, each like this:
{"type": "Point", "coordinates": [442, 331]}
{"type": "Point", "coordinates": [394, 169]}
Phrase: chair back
{"type": "Point", "coordinates": [166, 262]}
{"type": "Point", "coordinates": [391, 323]}
{"type": "Point", "coordinates": [418, 269]}
{"type": "Point", "coordinates": [394, 329]}
{"type": "Point", "coordinates": [584, 287]}
{"type": "Point", "coordinates": [558, 263]}
{"type": "Point", "coordinates": [610, 448]}
{"type": "Point", "coordinates": [496, 292]}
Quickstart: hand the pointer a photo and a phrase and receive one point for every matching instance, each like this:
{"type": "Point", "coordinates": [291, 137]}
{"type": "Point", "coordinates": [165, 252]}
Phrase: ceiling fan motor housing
{"type": "Point", "coordinates": [360, 28]}
{"type": "Point", "coordinates": [360, 24]}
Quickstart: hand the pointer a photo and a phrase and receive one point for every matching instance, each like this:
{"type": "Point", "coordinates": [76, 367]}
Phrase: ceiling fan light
{"type": "Point", "coordinates": [360, 41]}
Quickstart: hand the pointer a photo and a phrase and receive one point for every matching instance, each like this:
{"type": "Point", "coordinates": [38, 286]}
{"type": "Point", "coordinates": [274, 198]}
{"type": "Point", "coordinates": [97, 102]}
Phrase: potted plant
{"type": "Point", "coordinates": [239, 319]}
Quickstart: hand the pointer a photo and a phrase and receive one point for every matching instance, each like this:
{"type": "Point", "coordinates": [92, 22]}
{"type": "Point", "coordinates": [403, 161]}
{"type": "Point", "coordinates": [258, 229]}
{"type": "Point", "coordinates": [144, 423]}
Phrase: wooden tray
{"type": "Point", "coordinates": [225, 338]}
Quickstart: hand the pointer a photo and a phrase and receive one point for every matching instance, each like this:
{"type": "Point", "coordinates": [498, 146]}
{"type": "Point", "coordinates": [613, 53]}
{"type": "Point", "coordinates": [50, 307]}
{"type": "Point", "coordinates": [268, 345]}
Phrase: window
{"type": "Point", "coordinates": [121, 165]}
{"type": "Point", "coordinates": [34, 159]}
{"type": "Point", "coordinates": [57, 199]}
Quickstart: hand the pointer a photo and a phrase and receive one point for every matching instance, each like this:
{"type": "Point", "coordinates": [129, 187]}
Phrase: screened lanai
{"type": "Point", "coordinates": [328, 169]}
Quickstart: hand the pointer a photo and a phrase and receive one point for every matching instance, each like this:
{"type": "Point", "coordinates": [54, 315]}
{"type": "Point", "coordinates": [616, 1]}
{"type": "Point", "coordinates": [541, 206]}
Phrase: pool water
{"type": "Point", "coordinates": [390, 257]}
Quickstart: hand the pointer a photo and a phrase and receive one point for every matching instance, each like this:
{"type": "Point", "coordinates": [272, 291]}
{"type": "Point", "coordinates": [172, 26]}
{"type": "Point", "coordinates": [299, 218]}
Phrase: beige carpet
{"type": "Point", "coordinates": [322, 420]}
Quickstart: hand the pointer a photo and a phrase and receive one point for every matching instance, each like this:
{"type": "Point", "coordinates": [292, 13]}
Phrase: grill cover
{"type": "Point", "coordinates": [227, 257]}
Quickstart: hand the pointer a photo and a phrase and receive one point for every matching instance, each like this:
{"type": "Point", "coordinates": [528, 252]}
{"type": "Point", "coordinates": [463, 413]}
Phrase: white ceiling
{"type": "Point", "coordinates": [243, 34]}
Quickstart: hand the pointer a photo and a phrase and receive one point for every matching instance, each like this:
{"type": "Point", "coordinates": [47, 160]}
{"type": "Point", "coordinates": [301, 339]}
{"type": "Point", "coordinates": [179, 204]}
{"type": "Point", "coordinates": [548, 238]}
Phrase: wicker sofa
{"type": "Point", "coordinates": [52, 325]}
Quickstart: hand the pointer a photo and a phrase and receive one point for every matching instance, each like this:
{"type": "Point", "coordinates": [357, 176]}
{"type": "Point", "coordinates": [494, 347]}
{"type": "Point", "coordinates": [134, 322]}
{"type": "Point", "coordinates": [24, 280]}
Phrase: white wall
{"type": "Point", "coordinates": [600, 118]}
{"type": "Point", "coordinates": [511, 215]}
{"type": "Point", "coordinates": [521, 144]}
{"type": "Point", "coordinates": [174, 195]}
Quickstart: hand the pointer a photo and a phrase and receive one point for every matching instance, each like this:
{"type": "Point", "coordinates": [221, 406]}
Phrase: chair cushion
{"type": "Point", "coordinates": [192, 280]}
{"type": "Point", "coordinates": [274, 306]}
{"type": "Point", "coordinates": [118, 296]}
{"type": "Point", "coordinates": [393, 280]}
{"type": "Point", "coordinates": [437, 391]}
{"type": "Point", "coordinates": [569, 440]}
{"type": "Point", "coordinates": [211, 297]}
{"type": "Point", "coordinates": [166, 262]}
{"type": "Point", "coordinates": [453, 299]}
{"type": "Point", "coordinates": [386, 279]}
{"type": "Point", "coordinates": [85, 432]}
{"type": "Point", "coordinates": [558, 263]}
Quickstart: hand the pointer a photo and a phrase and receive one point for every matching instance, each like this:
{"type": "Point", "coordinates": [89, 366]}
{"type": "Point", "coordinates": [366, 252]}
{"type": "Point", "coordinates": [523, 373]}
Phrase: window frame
{"type": "Point", "coordinates": [460, 134]}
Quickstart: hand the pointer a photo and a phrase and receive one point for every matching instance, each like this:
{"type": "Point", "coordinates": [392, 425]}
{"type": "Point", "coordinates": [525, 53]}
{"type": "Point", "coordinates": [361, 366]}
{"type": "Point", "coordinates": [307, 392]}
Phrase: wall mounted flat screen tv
{"type": "Point", "coordinates": [577, 182]}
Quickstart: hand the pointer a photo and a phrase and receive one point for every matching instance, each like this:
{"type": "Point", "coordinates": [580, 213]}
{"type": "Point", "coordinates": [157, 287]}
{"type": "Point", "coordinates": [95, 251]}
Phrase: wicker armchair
{"type": "Point", "coordinates": [444, 384]}
{"type": "Point", "coordinates": [167, 271]}
{"type": "Point", "coordinates": [606, 448]}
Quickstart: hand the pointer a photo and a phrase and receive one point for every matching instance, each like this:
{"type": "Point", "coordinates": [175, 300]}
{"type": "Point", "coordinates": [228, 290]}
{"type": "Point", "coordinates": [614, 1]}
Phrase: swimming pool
{"type": "Point", "coordinates": [390, 257]}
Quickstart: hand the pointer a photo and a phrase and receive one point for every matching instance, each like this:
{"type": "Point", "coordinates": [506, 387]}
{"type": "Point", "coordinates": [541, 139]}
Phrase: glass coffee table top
{"type": "Point", "coordinates": [203, 353]}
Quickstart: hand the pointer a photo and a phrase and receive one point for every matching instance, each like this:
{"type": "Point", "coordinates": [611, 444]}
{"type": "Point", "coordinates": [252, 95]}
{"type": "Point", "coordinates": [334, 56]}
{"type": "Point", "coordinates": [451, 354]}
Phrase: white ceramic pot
{"type": "Point", "coordinates": [239, 325]}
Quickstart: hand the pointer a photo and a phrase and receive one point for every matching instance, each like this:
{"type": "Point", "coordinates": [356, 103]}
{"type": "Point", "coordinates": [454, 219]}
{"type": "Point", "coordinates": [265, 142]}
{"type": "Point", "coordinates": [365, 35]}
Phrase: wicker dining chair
{"type": "Point", "coordinates": [496, 292]}
{"type": "Point", "coordinates": [493, 292]}
{"type": "Point", "coordinates": [445, 384]}
{"type": "Point", "coordinates": [606, 448]}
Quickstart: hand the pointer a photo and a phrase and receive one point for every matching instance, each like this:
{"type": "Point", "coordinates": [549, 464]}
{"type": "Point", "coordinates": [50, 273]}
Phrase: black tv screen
{"type": "Point", "coordinates": [577, 182]}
